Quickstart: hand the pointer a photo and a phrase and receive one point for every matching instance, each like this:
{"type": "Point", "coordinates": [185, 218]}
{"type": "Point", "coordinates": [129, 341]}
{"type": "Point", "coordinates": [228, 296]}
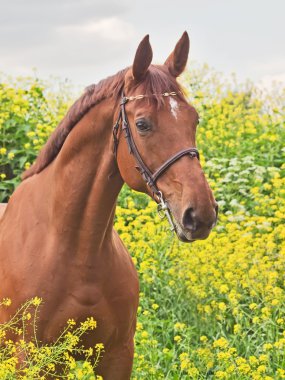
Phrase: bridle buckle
{"type": "Point", "coordinates": [163, 210]}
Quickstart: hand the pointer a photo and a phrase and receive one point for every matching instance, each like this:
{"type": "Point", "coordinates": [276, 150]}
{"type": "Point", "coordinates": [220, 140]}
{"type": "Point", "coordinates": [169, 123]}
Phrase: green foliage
{"type": "Point", "coordinates": [29, 111]}
{"type": "Point", "coordinates": [237, 120]}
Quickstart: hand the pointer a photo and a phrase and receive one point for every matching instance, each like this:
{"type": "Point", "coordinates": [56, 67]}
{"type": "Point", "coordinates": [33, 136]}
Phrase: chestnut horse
{"type": "Point", "coordinates": [57, 239]}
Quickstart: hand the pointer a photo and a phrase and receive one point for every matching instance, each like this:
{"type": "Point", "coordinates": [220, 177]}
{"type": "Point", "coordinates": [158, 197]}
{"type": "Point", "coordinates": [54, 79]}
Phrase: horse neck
{"type": "Point", "coordinates": [86, 183]}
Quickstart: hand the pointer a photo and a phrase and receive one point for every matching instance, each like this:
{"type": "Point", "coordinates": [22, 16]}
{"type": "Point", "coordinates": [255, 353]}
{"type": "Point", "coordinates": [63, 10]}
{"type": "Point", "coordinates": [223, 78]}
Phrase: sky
{"type": "Point", "coordinates": [88, 40]}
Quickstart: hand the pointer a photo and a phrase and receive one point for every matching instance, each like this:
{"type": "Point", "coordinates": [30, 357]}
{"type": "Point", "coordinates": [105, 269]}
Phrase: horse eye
{"type": "Point", "coordinates": [142, 125]}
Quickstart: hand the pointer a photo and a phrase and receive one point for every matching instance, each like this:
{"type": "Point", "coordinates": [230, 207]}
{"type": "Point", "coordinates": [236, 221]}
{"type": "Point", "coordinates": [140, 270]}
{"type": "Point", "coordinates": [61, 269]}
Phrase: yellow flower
{"type": "Point", "coordinates": [99, 346]}
{"type": "Point", "coordinates": [71, 322]}
{"type": "Point", "coordinates": [222, 306]}
{"type": "Point", "coordinates": [139, 326]}
{"type": "Point", "coordinates": [281, 373]}
{"type": "Point", "coordinates": [144, 334]}
{"type": "Point", "coordinates": [36, 301]}
{"type": "Point", "coordinates": [224, 289]}
{"type": "Point", "coordinates": [253, 360]}
{"type": "Point", "coordinates": [255, 320]}
{"type": "Point", "coordinates": [253, 306]}
{"type": "Point", "coordinates": [89, 324]}
{"type": "Point", "coordinates": [237, 328]}
{"type": "Point", "coordinates": [244, 368]}
{"type": "Point", "coordinates": [27, 316]}
{"type": "Point", "coordinates": [267, 186]}
{"type": "Point", "coordinates": [261, 368]}
{"type": "Point", "coordinates": [223, 355]}
{"type": "Point", "coordinates": [267, 346]}
{"type": "Point", "coordinates": [179, 326]}
{"type": "Point", "coordinates": [221, 375]}
{"type": "Point", "coordinates": [11, 155]}
{"type": "Point", "coordinates": [263, 358]}
{"type": "Point", "coordinates": [210, 364]}
{"type": "Point", "coordinates": [6, 302]}
{"type": "Point", "coordinates": [254, 190]}
{"type": "Point", "coordinates": [220, 343]}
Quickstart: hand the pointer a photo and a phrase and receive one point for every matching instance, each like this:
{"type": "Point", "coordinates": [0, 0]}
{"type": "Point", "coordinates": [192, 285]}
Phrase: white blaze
{"type": "Point", "coordinates": [173, 107]}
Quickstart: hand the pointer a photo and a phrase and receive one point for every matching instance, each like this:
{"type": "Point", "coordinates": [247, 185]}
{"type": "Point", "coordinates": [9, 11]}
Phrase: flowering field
{"type": "Point", "coordinates": [214, 309]}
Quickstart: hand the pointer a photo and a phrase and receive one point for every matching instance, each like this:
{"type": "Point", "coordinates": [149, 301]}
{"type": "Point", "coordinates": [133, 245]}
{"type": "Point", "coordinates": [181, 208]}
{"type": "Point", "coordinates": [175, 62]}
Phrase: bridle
{"type": "Point", "coordinates": [149, 177]}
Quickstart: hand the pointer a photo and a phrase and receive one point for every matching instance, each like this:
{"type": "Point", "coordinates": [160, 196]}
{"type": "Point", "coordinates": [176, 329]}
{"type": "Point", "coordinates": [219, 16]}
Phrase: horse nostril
{"type": "Point", "coordinates": [189, 219]}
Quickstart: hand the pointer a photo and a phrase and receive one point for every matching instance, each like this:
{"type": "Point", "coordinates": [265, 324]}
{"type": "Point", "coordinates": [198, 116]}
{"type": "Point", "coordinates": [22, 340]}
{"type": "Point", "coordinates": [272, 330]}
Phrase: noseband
{"type": "Point", "coordinates": [149, 177]}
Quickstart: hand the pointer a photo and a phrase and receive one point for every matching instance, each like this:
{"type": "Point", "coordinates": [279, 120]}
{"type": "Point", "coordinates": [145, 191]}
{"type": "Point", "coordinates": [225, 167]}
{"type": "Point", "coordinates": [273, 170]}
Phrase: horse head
{"type": "Point", "coordinates": [158, 155]}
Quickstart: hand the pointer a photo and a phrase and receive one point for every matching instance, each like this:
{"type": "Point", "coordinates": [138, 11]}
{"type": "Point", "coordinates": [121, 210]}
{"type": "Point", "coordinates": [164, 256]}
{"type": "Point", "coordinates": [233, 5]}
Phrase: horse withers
{"type": "Point", "coordinates": [57, 239]}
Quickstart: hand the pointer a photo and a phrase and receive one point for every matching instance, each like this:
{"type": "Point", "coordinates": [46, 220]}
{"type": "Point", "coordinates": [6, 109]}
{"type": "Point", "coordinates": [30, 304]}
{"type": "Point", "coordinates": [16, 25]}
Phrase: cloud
{"type": "Point", "coordinates": [20, 13]}
{"type": "Point", "coordinates": [33, 22]}
{"type": "Point", "coordinates": [66, 37]}
{"type": "Point", "coordinates": [112, 29]}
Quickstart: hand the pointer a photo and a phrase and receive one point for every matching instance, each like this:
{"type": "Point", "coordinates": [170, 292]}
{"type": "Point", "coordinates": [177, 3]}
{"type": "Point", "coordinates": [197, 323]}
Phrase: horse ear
{"type": "Point", "coordinates": [177, 60]}
{"type": "Point", "coordinates": [142, 59]}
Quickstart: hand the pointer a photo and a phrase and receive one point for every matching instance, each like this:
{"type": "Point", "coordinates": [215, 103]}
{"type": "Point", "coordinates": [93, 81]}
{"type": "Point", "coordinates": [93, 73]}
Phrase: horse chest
{"type": "Point", "coordinates": [113, 306]}
{"type": "Point", "coordinates": [111, 288]}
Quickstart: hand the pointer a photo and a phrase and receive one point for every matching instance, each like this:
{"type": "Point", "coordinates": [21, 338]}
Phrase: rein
{"type": "Point", "coordinates": [149, 177]}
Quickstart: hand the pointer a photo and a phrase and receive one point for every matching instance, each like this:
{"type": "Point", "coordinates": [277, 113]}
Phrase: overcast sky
{"type": "Point", "coordinates": [87, 40]}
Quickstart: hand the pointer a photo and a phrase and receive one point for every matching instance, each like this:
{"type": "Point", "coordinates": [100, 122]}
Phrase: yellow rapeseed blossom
{"type": "Point", "coordinates": [220, 343]}
{"type": "Point", "coordinates": [11, 155]}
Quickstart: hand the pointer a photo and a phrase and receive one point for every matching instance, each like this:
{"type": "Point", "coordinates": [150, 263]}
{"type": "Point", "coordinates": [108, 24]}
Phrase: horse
{"type": "Point", "coordinates": [57, 239]}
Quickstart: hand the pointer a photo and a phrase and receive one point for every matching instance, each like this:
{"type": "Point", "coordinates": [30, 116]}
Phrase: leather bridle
{"type": "Point", "coordinates": [149, 177]}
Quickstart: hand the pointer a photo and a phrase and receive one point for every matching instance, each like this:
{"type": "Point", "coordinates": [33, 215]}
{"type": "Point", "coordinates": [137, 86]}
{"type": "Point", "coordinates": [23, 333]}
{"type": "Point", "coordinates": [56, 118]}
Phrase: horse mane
{"type": "Point", "coordinates": [157, 81]}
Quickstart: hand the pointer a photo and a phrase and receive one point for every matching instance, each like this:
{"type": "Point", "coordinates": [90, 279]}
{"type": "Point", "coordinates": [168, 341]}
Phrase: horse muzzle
{"type": "Point", "coordinates": [194, 226]}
